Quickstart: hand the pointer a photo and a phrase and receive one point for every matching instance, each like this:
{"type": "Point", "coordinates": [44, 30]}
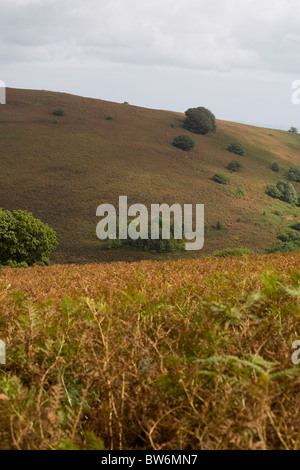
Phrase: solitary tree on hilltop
{"type": "Point", "coordinates": [200, 120]}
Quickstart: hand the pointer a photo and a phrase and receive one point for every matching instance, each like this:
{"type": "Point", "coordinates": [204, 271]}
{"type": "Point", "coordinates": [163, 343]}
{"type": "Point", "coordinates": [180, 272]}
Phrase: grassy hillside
{"type": "Point", "coordinates": [187, 354]}
{"type": "Point", "coordinates": [62, 168]}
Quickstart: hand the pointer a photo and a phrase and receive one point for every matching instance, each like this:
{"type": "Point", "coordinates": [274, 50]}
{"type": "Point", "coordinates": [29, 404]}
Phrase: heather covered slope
{"type": "Point", "coordinates": [62, 168]}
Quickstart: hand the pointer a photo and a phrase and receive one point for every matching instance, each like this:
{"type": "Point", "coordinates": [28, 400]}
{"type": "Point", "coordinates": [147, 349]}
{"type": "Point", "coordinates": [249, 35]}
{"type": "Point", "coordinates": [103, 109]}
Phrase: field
{"type": "Point", "coordinates": [188, 354]}
{"type": "Point", "coordinates": [132, 154]}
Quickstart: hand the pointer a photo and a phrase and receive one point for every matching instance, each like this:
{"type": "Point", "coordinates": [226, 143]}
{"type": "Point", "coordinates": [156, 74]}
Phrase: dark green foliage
{"type": "Point", "coordinates": [275, 167]}
{"type": "Point", "coordinates": [294, 174]}
{"type": "Point", "coordinates": [155, 246]}
{"type": "Point", "coordinates": [237, 148]}
{"type": "Point", "coordinates": [173, 126]}
{"type": "Point", "coordinates": [221, 179]}
{"type": "Point", "coordinates": [59, 112]}
{"type": "Point", "coordinates": [294, 130]}
{"type": "Point", "coordinates": [284, 191]}
{"type": "Point", "coordinates": [290, 241]}
{"type": "Point", "coordinates": [24, 239]}
{"type": "Point", "coordinates": [109, 118]}
{"type": "Point", "coordinates": [14, 264]}
{"type": "Point", "coordinates": [200, 120]}
{"type": "Point", "coordinates": [273, 191]}
{"type": "Point", "coordinates": [184, 142]}
{"type": "Point", "coordinates": [296, 227]}
{"type": "Point", "coordinates": [234, 165]}
{"type": "Point", "coordinates": [219, 226]}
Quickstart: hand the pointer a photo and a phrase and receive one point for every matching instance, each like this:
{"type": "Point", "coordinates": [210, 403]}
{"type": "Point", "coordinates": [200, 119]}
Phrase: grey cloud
{"type": "Point", "coordinates": [197, 34]}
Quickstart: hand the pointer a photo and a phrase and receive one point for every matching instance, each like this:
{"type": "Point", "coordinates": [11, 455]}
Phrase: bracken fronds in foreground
{"type": "Point", "coordinates": [175, 355]}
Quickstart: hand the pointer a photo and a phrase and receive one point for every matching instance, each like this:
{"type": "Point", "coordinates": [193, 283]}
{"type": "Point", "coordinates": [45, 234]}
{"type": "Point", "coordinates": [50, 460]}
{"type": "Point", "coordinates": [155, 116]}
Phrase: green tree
{"type": "Point", "coordinates": [275, 167]}
{"type": "Point", "coordinates": [184, 142]}
{"type": "Point", "coordinates": [59, 112]}
{"type": "Point", "coordinates": [294, 174]}
{"type": "Point", "coordinates": [236, 147]}
{"type": "Point", "coordinates": [24, 239]}
{"type": "Point", "coordinates": [200, 120]}
{"type": "Point", "coordinates": [234, 165]}
{"type": "Point", "coordinates": [284, 191]}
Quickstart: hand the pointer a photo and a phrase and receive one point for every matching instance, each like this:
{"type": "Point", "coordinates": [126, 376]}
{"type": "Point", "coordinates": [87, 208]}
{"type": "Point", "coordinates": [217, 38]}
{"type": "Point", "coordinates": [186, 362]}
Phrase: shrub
{"type": "Point", "coordinates": [238, 192]}
{"type": "Point", "coordinates": [232, 252]}
{"type": "Point", "coordinates": [24, 239]}
{"type": "Point", "coordinates": [14, 264]}
{"type": "Point", "coordinates": [273, 191]}
{"type": "Point", "coordinates": [296, 227]}
{"type": "Point", "coordinates": [284, 191]}
{"type": "Point", "coordinates": [234, 165]}
{"type": "Point", "coordinates": [290, 241]}
{"type": "Point", "coordinates": [109, 118]}
{"type": "Point", "coordinates": [237, 148]}
{"type": "Point", "coordinates": [173, 126]}
{"type": "Point", "coordinates": [275, 167]}
{"type": "Point", "coordinates": [59, 112]}
{"type": "Point", "coordinates": [219, 226]}
{"type": "Point", "coordinates": [156, 246]}
{"type": "Point", "coordinates": [221, 179]}
{"type": "Point", "coordinates": [184, 142]}
{"type": "Point", "coordinates": [294, 174]}
{"type": "Point", "coordinates": [200, 120]}
{"type": "Point", "coordinates": [294, 130]}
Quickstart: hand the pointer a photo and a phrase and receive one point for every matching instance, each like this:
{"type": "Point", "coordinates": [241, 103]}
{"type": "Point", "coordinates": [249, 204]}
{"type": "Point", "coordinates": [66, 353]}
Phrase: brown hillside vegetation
{"type": "Point", "coordinates": [192, 354]}
{"type": "Point", "coordinates": [62, 168]}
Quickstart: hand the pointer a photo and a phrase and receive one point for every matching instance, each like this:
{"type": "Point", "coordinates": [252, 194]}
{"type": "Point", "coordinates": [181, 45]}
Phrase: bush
{"type": "Point", "coordinates": [109, 118]}
{"type": "Point", "coordinates": [200, 120]}
{"type": "Point", "coordinates": [296, 227]}
{"type": "Point", "coordinates": [232, 252]}
{"type": "Point", "coordinates": [184, 142]}
{"type": "Point", "coordinates": [24, 239]}
{"type": "Point", "coordinates": [238, 192]}
{"type": "Point", "coordinates": [59, 112]}
{"type": "Point", "coordinates": [221, 179]}
{"type": "Point", "coordinates": [219, 226]}
{"type": "Point", "coordinates": [275, 167]}
{"type": "Point", "coordinates": [14, 264]}
{"type": "Point", "coordinates": [290, 241]}
{"type": "Point", "coordinates": [284, 191]}
{"type": "Point", "coordinates": [237, 148]}
{"type": "Point", "coordinates": [294, 174]}
{"type": "Point", "coordinates": [156, 246]}
{"type": "Point", "coordinates": [234, 165]}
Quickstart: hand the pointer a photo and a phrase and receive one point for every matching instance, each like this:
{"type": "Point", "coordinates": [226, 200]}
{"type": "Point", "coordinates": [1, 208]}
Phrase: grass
{"type": "Point", "coordinates": [132, 155]}
{"type": "Point", "coordinates": [192, 354]}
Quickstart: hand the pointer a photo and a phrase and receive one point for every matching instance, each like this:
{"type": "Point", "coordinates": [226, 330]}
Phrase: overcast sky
{"type": "Point", "coordinates": [236, 57]}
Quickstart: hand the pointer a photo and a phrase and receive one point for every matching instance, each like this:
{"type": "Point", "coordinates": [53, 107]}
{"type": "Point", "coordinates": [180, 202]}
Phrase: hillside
{"type": "Point", "coordinates": [62, 168]}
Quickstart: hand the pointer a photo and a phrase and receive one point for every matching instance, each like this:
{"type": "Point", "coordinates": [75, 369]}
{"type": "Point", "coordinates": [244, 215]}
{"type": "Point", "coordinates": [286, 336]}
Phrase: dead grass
{"type": "Point", "coordinates": [191, 354]}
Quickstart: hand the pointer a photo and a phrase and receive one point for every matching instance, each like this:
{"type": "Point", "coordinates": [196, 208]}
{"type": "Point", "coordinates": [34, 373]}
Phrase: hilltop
{"type": "Point", "coordinates": [62, 168]}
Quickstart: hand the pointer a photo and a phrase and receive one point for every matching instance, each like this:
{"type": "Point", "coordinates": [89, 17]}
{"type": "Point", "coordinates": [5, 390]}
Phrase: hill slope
{"type": "Point", "coordinates": [61, 169]}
